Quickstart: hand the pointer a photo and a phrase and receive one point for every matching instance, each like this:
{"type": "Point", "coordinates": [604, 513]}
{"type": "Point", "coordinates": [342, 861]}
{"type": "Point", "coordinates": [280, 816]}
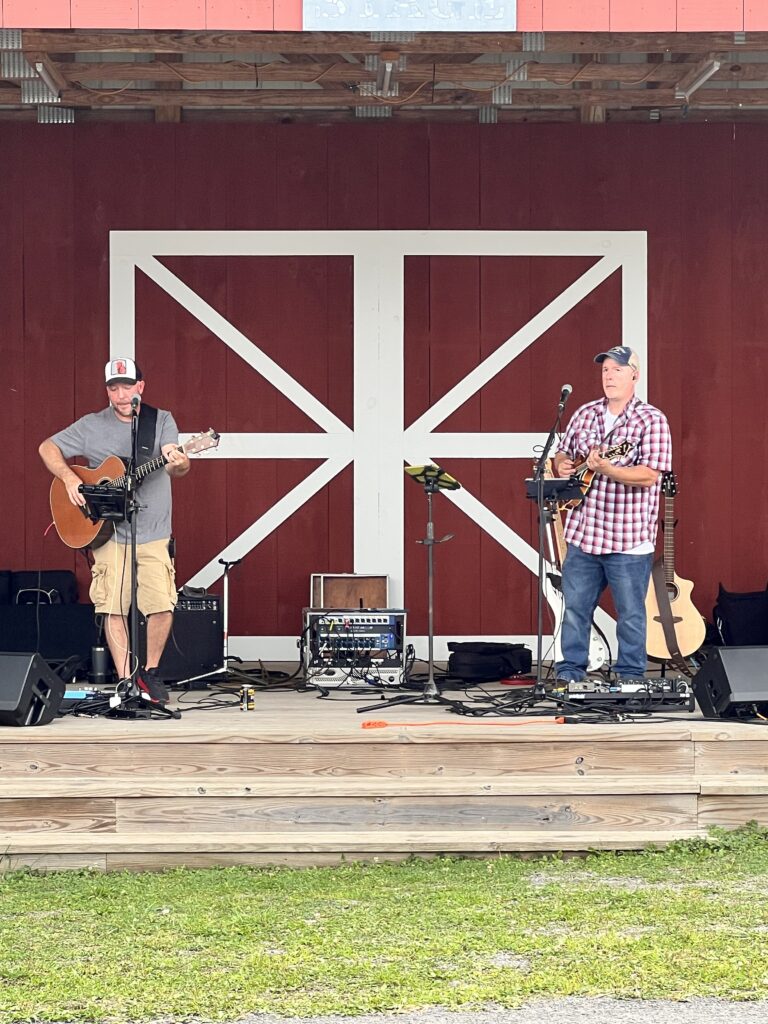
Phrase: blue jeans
{"type": "Point", "coordinates": [585, 577]}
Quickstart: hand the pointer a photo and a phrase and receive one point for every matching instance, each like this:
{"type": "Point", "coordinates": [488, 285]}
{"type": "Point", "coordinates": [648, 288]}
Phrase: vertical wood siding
{"type": "Point", "coordinates": [699, 191]}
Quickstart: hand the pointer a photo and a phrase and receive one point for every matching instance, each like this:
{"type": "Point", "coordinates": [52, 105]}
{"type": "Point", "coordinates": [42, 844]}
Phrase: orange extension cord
{"type": "Point", "coordinates": [373, 724]}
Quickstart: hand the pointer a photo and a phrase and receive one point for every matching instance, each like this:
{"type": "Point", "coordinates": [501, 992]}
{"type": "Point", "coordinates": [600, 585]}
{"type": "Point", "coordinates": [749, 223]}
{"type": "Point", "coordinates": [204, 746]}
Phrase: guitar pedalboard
{"type": "Point", "coordinates": [651, 694]}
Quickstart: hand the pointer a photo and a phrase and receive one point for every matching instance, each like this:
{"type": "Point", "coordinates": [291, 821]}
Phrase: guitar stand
{"type": "Point", "coordinates": [221, 673]}
{"type": "Point", "coordinates": [434, 479]}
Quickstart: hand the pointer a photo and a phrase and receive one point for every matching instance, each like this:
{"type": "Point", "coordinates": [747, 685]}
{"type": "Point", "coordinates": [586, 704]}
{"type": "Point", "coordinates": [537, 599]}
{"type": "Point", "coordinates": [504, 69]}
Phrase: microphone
{"type": "Point", "coordinates": [565, 393]}
{"type": "Point", "coordinates": [135, 403]}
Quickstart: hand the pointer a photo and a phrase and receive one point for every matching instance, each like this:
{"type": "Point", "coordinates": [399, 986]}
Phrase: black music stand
{"type": "Point", "coordinates": [104, 502]}
{"type": "Point", "coordinates": [434, 479]}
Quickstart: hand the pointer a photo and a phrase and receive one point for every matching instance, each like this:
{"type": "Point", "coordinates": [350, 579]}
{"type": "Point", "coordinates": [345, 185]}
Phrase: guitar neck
{"type": "Point", "coordinates": [144, 469]}
{"type": "Point", "coordinates": [669, 540]}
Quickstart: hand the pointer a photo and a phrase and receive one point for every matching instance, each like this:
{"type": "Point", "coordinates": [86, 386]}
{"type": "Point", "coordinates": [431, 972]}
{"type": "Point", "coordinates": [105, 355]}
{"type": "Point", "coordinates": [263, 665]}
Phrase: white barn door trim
{"type": "Point", "coordinates": [379, 436]}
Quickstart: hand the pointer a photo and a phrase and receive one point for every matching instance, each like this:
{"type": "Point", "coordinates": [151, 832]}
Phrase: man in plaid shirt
{"type": "Point", "coordinates": [611, 535]}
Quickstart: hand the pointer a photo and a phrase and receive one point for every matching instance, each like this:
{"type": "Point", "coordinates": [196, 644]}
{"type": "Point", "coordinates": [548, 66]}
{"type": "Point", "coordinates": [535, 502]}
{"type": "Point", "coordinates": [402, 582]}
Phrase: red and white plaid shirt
{"type": "Point", "coordinates": [615, 517]}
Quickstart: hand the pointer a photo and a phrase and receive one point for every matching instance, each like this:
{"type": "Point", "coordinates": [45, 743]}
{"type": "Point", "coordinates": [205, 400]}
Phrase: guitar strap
{"type": "Point", "coordinates": [667, 619]}
{"type": "Point", "coordinates": [145, 441]}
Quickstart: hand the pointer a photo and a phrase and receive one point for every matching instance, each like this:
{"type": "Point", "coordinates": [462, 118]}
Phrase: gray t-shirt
{"type": "Point", "coordinates": [100, 434]}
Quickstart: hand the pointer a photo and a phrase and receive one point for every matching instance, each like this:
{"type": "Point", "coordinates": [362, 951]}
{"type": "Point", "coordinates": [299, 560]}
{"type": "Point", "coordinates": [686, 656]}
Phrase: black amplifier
{"type": "Point", "coordinates": [199, 603]}
{"type": "Point", "coordinates": [196, 643]}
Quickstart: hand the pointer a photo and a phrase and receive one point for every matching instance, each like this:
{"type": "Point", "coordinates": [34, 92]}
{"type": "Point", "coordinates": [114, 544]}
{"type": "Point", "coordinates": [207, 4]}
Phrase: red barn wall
{"type": "Point", "coordinates": [700, 192]}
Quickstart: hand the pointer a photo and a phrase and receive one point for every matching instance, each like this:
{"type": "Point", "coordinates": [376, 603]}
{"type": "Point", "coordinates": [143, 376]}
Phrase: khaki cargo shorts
{"type": "Point", "coordinates": [112, 567]}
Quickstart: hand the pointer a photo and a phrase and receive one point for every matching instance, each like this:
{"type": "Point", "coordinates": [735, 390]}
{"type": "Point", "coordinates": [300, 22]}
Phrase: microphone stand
{"type": "Point", "coordinates": [434, 479]}
{"type": "Point", "coordinates": [544, 513]}
{"type": "Point", "coordinates": [131, 703]}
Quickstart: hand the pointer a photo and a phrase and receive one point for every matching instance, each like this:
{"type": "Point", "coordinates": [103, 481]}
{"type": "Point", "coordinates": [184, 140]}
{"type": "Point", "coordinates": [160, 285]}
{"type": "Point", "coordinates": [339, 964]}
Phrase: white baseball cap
{"type": "Point", "coordinates": [121, 371]}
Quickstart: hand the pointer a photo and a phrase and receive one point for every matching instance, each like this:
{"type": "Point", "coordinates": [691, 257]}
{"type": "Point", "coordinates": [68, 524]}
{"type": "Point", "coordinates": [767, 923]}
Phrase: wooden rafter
{"type": "Point", "coordinates": [598, 76]}
{"type": "Point", "coordinates": [342, 71]}
{"type": "Point", "coordinates": [300, 98]}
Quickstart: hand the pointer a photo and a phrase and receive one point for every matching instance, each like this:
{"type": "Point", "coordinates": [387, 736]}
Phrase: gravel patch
{"type": "Point", "coordinates": [563, 1011]}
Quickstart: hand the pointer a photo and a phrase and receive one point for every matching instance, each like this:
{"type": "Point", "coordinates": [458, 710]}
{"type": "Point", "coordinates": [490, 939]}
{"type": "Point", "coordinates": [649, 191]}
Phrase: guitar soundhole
{"type": "Point", "coordinates": [673, 591]}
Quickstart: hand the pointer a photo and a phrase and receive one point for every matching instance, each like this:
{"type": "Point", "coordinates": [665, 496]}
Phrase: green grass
{"type": "Point", "coordinates": [689, 921]}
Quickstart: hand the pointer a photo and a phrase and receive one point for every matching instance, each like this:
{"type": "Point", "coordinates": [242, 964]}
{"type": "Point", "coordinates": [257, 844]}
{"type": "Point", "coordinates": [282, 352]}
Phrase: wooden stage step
{"type": "Point", "coordinates": [305, 781]}
{"type": "Point", "coordinates": [150, 823]}
{"type": "Point", "coordinates": [143, 851]}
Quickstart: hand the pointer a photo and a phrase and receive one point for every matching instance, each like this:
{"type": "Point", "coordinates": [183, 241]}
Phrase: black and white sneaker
{"type": "Point", "coordinates": [151, 686]}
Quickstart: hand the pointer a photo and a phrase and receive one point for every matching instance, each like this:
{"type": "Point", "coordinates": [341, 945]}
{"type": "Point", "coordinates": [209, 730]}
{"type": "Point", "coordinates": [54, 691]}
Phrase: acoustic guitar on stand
{"type": "Point", "coordinates": [689, 626]}
{"type": "Point", "coordinates": [75, 524]}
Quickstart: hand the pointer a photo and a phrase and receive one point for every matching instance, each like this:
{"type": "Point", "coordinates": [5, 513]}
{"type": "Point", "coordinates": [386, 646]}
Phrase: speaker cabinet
{"type": "Point", "coordinates": [732, 681]}
{"type": "Point", "coordinates": [30, 691]}
{"type": "Point", "coordinates": [196, 643]}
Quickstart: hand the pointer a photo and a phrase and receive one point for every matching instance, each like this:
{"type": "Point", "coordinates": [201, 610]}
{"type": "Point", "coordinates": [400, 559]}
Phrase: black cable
{"type": "Point", "coordinates": [211, 701]}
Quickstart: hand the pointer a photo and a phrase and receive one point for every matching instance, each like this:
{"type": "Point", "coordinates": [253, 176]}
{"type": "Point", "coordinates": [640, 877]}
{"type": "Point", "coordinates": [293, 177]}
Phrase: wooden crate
{"type": "Point", "coordinates": [348, 590]}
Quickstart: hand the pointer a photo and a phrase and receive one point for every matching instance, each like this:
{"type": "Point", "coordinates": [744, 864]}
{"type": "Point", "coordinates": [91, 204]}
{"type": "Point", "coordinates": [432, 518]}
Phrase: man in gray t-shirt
{"type": "Point", "coordinates": [95, 437]}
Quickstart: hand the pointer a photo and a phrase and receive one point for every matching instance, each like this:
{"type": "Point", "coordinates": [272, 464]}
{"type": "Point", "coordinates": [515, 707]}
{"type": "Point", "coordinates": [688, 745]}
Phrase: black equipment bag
{"type": "Point", "coordinates": [742, 618]}
{"type": "Point", "coordinates": [51, 586]}
{"type": "Point", "coordinates": [478, 662]}
{"type": "Point", "coordinates": [6, 577]}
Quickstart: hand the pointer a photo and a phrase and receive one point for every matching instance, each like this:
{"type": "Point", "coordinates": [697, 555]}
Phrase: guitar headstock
{"type": "Point", "coordinates": [202, 442]}
{"type": "Point", "coordinates": [668, 484]}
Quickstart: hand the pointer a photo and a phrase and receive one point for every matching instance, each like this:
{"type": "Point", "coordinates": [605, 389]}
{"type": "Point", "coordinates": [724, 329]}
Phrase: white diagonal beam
{"type": "Point", "coordinates": [513, 346]}
{"type": "Point", "coordinates": [239, 343]}
{"type": "Point", "coordinates": [272, 518]}
{"type": "Point", "coordinates": [520, 549]}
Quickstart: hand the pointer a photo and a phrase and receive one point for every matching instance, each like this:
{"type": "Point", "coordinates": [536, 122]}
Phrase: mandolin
{"type": "Point", "coordinates": [690, 628]}
{"type": "Point", "coordinates": [74, 524]}
{"type": "Point", "coordinates": [585, 475]}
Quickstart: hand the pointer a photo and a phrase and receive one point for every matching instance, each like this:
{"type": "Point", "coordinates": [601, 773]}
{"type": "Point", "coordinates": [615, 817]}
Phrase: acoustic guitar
{"type": "Point", "coordinates": [690, 628]}
{"type": "Point", "coordinates": [74, 524]}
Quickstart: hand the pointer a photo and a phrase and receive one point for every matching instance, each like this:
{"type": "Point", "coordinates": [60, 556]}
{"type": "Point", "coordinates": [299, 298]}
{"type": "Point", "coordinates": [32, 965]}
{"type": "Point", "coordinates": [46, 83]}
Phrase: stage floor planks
{"type": "Point", "coordinates": [301, 780]}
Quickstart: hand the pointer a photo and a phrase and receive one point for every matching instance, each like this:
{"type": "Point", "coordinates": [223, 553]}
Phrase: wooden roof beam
{"type": "Point", "coordinates": [145, 41]}
{"type": "Point", "coordinates": [277, 71]}
{"type": "Point", "coordinates": [299, 98]}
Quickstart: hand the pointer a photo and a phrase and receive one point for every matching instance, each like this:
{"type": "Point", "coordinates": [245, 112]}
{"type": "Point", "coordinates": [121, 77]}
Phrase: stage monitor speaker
{"type": "Point", "coordinates": [30, 691]}
{"type": "Point", "coordinates": [732, 682]}
{"type": "Point", "coordinates": [196, 643]}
